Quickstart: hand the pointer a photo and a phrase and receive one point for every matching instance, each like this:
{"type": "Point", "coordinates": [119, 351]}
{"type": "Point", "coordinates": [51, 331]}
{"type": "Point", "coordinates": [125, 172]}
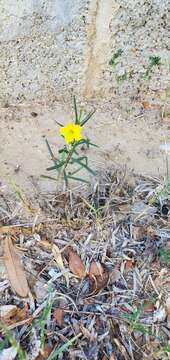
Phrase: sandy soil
{"type": "Point", "coordinates": [132, 142]}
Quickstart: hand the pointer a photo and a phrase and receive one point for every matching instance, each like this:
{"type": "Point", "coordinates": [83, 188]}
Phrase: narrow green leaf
{"type": "Point", "coordinates": [55, 161]}
{"type": "Point", "coordinates": [48, 177]}
{"type": "Point", "coordinates": [3, 344]}
{"type": "Point", "coordinates": [65, 178]}
{"type": "Point", "coordinates": [49, 148]}
{"type": "Point", "coordinates": [56, 167]}
{"type": "Point", "coordinates": [87, 117]}
{"type": "Point", "coordinates": [75, 152]}
{"type": "Point", "coordinates": [75, 110]}
{"type": "Point", "coordinates": [80, 115]}
{"type": "Point", "coordinates": [78, 143]}
{"type": "Point", "coordinates": [59, 123]}
{"type": "Point", "coordinates": [63, 150]}
{"type": "Point", "coordinates": [75, 172]}
{"type": "Point", "coordinates": [77, 179]}
{"type": "Point", "coordinates": [62, 348]}
{"type": "Point", "coordinates": [80, 159]}
{"type": "Point", "coordinates": [85, 166]}
{"type": "Point", "coordinates": [92, 144]}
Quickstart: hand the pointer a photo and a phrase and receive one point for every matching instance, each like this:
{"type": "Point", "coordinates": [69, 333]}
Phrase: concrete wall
{"type": "Point", "coordinates": [51, 49]}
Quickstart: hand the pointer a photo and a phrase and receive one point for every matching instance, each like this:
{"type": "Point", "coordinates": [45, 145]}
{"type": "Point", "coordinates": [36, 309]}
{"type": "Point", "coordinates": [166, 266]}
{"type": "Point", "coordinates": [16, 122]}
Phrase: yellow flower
{"type": "Point", "coordinates": [71, 132]}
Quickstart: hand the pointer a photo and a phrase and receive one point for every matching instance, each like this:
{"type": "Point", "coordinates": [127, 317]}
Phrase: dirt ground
{"type": "Point", "coordinates": [133, 141]}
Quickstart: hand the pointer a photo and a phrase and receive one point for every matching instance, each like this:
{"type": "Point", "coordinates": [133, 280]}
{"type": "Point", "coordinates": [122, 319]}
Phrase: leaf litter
{"type": "Point", "coordinates": [92, 280]}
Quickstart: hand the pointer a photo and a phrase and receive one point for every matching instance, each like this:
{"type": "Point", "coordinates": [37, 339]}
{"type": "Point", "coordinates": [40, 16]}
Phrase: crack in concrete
{"type": "Point", "coordinates": [98, 44]}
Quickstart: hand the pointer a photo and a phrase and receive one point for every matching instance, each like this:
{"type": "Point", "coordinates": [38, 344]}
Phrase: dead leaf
{"type": "Point", "coordinates": [95, 269]}
{"type": "Point", "coordinates": [14, 268]}
{"type": "Point", "coordinates": [129, 264]}
{"type": "Point", "coordinates": [112, 357]}
{"type": "Point", "coordinates": [150, 233]}
{"type": "Point", "coordinates": [47, 351]}
{"type": "Point", "coordinates": [149, 106]}
{"type": "Point", "coordinates": [76, 265]}
{"type": "Point", "coordinates": [98, 283]}
{"type": "Point", "coordinates": [104, 357]}
{"type": "Point", "coordinates": [23, 313]}
{"type": "Point", "coordinates": [148, 306]}
{"type": "Point", "coordinates": [138, 232]}
{"type": "Point", "coordinates": [58, 258]}
{"type": "Point", "coordinates": [58, 316]}
{"type": "Point", "coordinates": [8, 311]}
{"type": "Point", "coordinates": [45, 244]}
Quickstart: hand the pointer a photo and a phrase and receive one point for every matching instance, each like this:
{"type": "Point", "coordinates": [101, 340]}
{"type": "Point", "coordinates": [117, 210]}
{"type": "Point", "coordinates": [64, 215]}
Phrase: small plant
{"type": "Point", "coordinates": [41, 322]}
{"type": "Point", "coordinates": [115, 56]}
{"type": "Point", "coordinates": [165, 255]}
{"type": "Point", "coordinates": [134, 321]}
{"type": "Point", "coordinates": [69, 162]}
{"type": "Point", "coordinates": [63, 348]}
{"type": "Point", "coordinates": [9, 338]}
{"type": "Point", "coordinates": [153, 61]}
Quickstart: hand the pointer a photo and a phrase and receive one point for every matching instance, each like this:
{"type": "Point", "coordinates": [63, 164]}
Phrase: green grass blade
{"type": "Point", "coordinates": [62, 348]}
{"type": "Point", "coordinates": [75, 172]}
{"type": "Point", "coordinates": [59, 123]}
{"type": "Point", "coordinates": [64, 150]}
{"type": "Point", "coordinates": [65, 178]}
{"type": "Point", "coordinates": [165, 255]}
{"type": "Point", "coordinates": [56, 166]}
{"type": "Point", "coordinates": [74, 160]}
{"type": "Point", "coordinates": [77, 179]}
{"type": "Point", "coordinates": [76, 111]}
{"type": "Point", "coordinates": [49, 148]}
{"type": "Point", "coordinates": [48, 177]}
{"type": "Point", "coordinates": [11, 339]}
{"type": "Point", "coordinates": [80, 115]}
{"type": "Point", "coordinates": [87, 117]}
{"type": "Point", "coordinates": [55, 161]}
{"type": "Point", "coordinates": [85, 167]}
{"type": "Point", "coordinates": [92, 144]}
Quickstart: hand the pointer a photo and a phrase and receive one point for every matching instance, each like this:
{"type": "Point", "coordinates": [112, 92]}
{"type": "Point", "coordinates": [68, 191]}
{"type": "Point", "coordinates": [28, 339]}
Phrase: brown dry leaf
{"type": "Point", "coordinates": [45, 244]}
{"type": "Point", "coordinates": [58, 316]}
{"type": "Point", "coordinates": [138, 232]}
{"type": "Point", "coordinates": [58, 258]}
{"type": "Point", "coordinates": [150, 233]}
{"type": "Point", "coordinates": [47, 351]}
{"type": "Point", "coordinates": [98, 283]}
{"type": "Point", "coordinates": [8, 311]}
{"type": "Point", "coordinates": [95, 269]}
{"type": "Point", "coordinates": [129, 264]}
{"type": "Point", "coordinates": [148, 306]}
{"type": "Point", "coordinates": [23, 313]}
{"type": "Point", "coordinates": [102, 281]}
{"type": "Point", "coordinates": [112, 357]}
{"type": "Point", "coordinates": [76, 265]}
{"type": "Point", "coordinates": [104, 357]}
{"type": "Point", "coordinates": [149, 106]}
{"type": "Point", "coordinates": [14, 268]}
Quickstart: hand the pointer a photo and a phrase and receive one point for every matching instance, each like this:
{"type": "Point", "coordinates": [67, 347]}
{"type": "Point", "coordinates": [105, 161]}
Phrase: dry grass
{"type": "Point", "coordinates": [123, 313]}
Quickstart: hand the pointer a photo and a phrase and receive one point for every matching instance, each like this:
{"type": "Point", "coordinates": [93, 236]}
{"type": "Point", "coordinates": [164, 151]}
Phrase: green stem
{"type": "Point", "coordinates": [69, 156]}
